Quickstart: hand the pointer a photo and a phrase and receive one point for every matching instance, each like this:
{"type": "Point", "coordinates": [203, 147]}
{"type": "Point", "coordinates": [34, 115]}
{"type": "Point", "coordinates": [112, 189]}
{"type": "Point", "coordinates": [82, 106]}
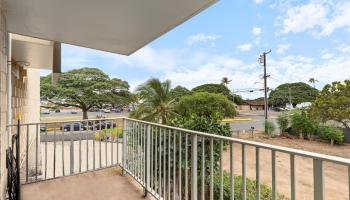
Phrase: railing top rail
{"type": "Point", "coordinates": [324, 157]}
{"type": "Point", "coordinates": [335, 159]}
{"type": "Point", "coordinates": [66, 121]}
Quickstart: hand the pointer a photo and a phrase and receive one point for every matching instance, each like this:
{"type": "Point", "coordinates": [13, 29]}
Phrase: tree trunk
{"type": "Point", "coordinates": [85, 113]}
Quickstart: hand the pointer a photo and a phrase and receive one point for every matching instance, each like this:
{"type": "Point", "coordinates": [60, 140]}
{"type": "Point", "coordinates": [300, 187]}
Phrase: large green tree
{"type": "Point", "coordinates": [214, 88]}
{"type": "Point", "coordinates": [333, 103]}
{"type": "Point", "coordinates": [156, 103]}
{"type": "Point", "coordinates": [299, 92]}
{"type": "Point", "coordinates": [179, 92]}
{"type": "Point", "coordinates": [205, 104]}
{"type": "Point", "coordinates": [84, 88]}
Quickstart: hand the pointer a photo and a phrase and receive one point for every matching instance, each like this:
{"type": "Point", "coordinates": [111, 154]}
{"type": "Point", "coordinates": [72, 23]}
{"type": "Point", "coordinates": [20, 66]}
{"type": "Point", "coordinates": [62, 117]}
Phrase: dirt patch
{"type": "Point", "coordinates": [335, 176]}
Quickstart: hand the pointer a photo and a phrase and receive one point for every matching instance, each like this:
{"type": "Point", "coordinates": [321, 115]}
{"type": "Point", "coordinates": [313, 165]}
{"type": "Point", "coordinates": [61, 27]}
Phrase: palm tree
{"type": "Point", "coordinates": [156, 104]}
{"type": "Point", "coordinates": [313, 81]}
{"type": "Point", "coordinates": [225, 81]}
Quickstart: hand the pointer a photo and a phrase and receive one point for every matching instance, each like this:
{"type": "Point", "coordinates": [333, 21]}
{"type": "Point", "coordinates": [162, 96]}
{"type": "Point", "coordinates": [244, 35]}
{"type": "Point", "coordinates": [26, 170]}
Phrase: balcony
{"type": "Point", "coordinates": [128, 158]}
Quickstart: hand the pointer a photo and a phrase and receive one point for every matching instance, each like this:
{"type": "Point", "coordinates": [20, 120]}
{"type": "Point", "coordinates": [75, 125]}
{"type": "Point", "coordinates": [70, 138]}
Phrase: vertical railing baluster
{"type": "Point", "coordinates": [99, 144]}
{"type": "Point", "coordinates": [63, 173]}
{"type": "Point", "coordinates": [257, 171]}
{"type": "Point", "coordinates": [174, 165]}
{"type": "Point", "coordinates": [117, 139]}
{"type": "Point", "coordinates": [211, 192]}
{"type": "Point", "coordinates": [112, 139]}
{"type": "Point", "coordinates": [124, 153]}
{"type": "Point", "coordinates": [186, 166]}
{"type": "Point", "coordinates": [318, 179]}
{"type": "Point", "coordinates": [180, 165]}
{"type": "Point", "coordinates": [45, 175]}
{"type": "Point", "coordinates": [71, 150]}
{"type": "Point", "coordinates": [194, 169]}
{"type": "Point", "coordinates": [106, 129]}
{"type": "Point", "coordinates": [169, 163]}
{"type": "Point", "coordinates": [221, 171]}
{"type": "Point", "coordinates": [160, 163]}
{"type": "Point", "coordinates": [152, 156]}
{"type": "Point", "coordinates": [244, 179]}
{"type": "Point", "coordinates": [54, 152]}
{"type": "Point", "coordinates": [80, 137]}
{"type": "Point", "coordinates": [232, 176]}
{"type": "Point", "coordinates": [292, 177]}
{"type": "Point", "coordinates": [156, 161]}
{"type": "Point", "coordinates": [273, 163]}
{"type": "Point", "coordinates": [36, 151]}
{"type": "Point", "coordinates": [27, 151]}
{"type": "Point", "coordinates": [203, 169]}
{"type": "Point", "coordinates": [148, 158]}
{"type": "Point", "coordinates": [87, 144]}
{"type": "Point", "coordinates": [349, 182]}
{"type": "Point", "coordinates": [164, 163]}
{"type": "Point", "coordinates": [93, 144]}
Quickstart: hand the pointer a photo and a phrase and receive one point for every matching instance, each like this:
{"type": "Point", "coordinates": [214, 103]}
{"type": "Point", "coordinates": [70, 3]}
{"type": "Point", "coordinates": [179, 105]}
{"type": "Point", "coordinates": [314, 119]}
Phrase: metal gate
{"type": "Point", "coordinates": [13, 168]}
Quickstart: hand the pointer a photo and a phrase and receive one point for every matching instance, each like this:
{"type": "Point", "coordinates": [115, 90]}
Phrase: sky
{"type": "Point", "coordinates": [308, 39]}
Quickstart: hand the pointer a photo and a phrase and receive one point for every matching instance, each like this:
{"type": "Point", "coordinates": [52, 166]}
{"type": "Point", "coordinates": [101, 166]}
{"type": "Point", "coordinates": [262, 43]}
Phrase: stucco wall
{"type": "Point", "coordinates": [3, 101]}
{"type": "Point", "coordinates": [25, 99]}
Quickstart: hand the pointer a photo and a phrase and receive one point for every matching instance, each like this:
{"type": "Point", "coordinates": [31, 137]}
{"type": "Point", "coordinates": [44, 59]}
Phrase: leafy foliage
{"type": "Point", "coordinates": [265, 191]}
{"type": "Point", "coordinates": [179, 92]}
{"type": "Point", "coordinates": [84, 88]}
{"type": "Point", "coordinates": [269, 127]}
{"type": "Point", "coordinates": [156, 104]}
{"type": "Point", "coordinates": [283, 122]}
{"type": "Point", "coordinates": [331, 133]}
{"type": "Point", "coordinates": [333, 103]}
{"type": "Point", "coordinates": [205, 104]}
{"type": "Point", "coordinates": [208, 125]}
{"type": "Point", "coordinates": [213, 88]}
{"type": "Point", "coordinates": [300, 92]}
{"type": "Point", "coordinates": [237, 99]}
{"type": "Point", "coordinates": [303, 125]}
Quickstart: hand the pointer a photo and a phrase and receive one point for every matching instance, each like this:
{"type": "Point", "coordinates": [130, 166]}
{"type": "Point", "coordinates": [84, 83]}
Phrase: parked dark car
{"type": "Point", "coordinates": [76, 127]}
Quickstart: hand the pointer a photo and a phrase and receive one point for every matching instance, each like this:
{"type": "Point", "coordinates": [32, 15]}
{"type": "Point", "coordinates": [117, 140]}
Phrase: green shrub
{"type": "Point", "coordinates": [332, 134]}
{"type": "Point", "coordinates": [302, 125]}
{"type": "Point", "coordinates": [265, 191]}
{"type": "Point", "coordinates": [110, 133]}
{"type": "Point", "coordinates": [205, 104]}
{"type": "Point", "coordinates": [283, 122]}
{"type": "Point", "coordinates": [269, 127]}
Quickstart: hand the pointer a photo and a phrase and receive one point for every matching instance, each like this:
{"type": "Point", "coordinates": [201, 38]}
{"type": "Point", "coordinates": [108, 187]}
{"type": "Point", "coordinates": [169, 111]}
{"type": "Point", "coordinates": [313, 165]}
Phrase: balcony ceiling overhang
{"type": "Point", "coordinates": [31, 52]}
{"type": "Point", "coordinates": [118, 26]}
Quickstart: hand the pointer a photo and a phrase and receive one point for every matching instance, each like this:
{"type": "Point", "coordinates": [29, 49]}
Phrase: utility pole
{"type": "Point", "coordinates": [262, 60]}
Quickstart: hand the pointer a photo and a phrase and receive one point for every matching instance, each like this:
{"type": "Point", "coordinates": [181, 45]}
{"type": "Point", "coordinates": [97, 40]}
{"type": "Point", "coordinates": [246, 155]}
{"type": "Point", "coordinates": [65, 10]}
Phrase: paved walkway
{"type": "Point", "coordinates": [104, 184]}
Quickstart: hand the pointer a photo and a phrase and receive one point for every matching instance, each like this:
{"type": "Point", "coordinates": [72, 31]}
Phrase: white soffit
{"type": "Point", "coordinates": [118, 26]}
{"type": "Point", "coordinates": [32, 52]}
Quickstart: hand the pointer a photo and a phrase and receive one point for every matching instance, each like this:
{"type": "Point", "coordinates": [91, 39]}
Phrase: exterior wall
{"type": "Point", "coordinates": [3, 100]}
{"type": "Point", "coordinates": [25, 99]}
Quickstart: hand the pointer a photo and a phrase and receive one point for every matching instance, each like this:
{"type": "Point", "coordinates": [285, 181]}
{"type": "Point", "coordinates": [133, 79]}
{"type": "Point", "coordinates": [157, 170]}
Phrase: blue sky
{"type": "Point", "coordinates": [308, 38]}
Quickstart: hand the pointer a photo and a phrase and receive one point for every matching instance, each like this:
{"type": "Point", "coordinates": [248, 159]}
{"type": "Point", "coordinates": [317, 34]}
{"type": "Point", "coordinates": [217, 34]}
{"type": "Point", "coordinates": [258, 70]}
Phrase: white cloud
{"type": "Point", "coordinates": [304, 17]}
{"type": "Point", "coordinates": [201, 37]}
{"type": "Point", "coordinates": [256, 31]}
{"type": "Point", "coordinates": [245, 47]}
{"type": "Point", "coordinates": [258, 1]}
{"type": "Point", "coordinates": [191, 68]}
{"type": "Point", "coordinates": [327, 56]}
{"type": "Point", "coordinates": [320, 18]}
{"type": "Point", "coordinates": [282, 48]}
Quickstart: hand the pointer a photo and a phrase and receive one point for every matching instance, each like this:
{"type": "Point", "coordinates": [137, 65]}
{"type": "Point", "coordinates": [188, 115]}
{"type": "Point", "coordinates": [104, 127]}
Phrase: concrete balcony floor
{"type": "Point", "coordinates": [106, 184]}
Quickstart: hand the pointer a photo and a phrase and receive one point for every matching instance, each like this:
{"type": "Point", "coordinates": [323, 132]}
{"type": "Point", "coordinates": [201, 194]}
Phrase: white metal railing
{"type": "Point", "coordinates": [168, 162]}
